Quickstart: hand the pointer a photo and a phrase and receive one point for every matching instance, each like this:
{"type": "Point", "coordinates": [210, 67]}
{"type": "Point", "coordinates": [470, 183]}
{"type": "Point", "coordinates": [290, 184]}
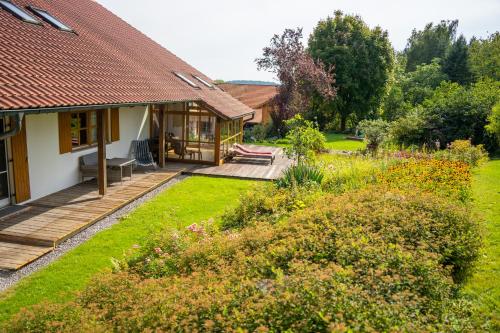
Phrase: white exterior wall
{"type": "Point", "coordinates": [51, 171]}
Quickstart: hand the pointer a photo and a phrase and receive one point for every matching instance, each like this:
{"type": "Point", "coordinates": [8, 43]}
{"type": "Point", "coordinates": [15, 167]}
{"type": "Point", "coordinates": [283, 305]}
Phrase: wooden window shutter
{"type": "Point", "coordinates": [65, 144]}
{"type": "Point", "coordinates": [21, 168]}
{"type": "Point", "coordinates": [115, 124]}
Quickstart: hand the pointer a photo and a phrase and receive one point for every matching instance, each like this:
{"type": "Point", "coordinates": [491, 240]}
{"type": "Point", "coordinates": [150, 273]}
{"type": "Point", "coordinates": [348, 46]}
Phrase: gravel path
{"type": "Point", "coordinates": [8, 278]}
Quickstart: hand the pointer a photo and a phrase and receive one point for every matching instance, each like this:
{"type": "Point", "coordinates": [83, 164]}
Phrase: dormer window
{"type": "Point", "coordinates": [208, 85]}
{"type": "Point", "coordinates": [185, 79]}
{"type": "Point", "coordinates": [51, 19]}
{"type": "Point", "coordinates": [18, 12]}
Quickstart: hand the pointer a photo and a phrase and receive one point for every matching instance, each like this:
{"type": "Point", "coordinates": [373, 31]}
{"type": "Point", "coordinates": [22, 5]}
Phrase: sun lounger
{"type": "Point", "coordinates": [246, 150]}
{"type": "Point", "coordinates": [240, 153]}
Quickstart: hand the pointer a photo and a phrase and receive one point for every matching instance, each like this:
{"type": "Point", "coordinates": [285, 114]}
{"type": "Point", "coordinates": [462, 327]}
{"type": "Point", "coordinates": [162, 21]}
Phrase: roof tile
{"type": "Point", "coordinates": [107, 61]}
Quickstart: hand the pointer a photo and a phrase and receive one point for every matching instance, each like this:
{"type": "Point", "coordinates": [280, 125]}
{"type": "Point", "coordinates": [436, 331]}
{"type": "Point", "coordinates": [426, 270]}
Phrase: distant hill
{"type": "Point", "coordinates": [255, 83]}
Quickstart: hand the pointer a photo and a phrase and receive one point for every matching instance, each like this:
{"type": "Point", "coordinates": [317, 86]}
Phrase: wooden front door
{"type": "Point", "coordinates": [21, 167]}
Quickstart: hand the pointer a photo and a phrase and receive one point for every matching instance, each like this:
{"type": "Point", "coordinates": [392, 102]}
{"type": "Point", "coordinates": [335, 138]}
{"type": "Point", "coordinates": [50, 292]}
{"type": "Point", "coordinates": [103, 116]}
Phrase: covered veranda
{"type": "Point", "coordinates": [192, 132]}
{"type": "Point", "coordinates": [46, 222]}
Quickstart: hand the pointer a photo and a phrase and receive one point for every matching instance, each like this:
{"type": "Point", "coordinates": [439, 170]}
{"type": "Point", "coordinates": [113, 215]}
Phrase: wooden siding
{"type": "Point", "coordinates": [21, 167]}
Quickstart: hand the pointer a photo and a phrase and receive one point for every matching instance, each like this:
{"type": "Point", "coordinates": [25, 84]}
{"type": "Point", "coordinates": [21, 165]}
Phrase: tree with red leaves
{"type": "Point", "coordinates": [299, 75]}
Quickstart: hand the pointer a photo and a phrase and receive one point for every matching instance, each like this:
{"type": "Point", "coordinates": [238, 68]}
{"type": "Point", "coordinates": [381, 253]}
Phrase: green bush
{"type": "Point", "coordinates": [270, 203]}
{"type": "Point", "coordinates": [304, 139]}
{"type": "Point", "coordinates": [370, 260]}
{"type": "Point", "coordinates": [300, 175]}
{"type": "Point", "coordinates": [375, 132]}
{"type": "Point", "coordinates": [257, 133]}
{"type": "Point", "coordinates": [410, 129]}
{"type": "Point", "coordinates": [493, 126]}
{"type": "Point", "coordinates": [463, 151]}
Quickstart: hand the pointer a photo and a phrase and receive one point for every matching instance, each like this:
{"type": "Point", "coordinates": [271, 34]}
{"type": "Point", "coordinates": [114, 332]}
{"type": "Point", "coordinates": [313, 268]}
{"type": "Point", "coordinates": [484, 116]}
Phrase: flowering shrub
{"type": "Point", "coordinates": [463, 151]}
{"type": "Point", "coordinates": [377, 259]}
{"type": "Point", "coordinates": [267, 202]}
{"type": "Point", "coordinates": [448, 178]}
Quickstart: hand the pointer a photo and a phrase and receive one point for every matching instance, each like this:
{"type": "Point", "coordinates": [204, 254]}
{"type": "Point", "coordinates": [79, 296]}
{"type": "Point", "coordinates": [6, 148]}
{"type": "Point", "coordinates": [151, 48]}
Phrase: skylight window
{"type": "Point", "coordinates": [185, 79]}
{"type": "Point", "coordinates": [18, 12]}
{"type": "Point", "coordinates": [209, 85]}
{"type": "Point", "coordinates": [51, 19]}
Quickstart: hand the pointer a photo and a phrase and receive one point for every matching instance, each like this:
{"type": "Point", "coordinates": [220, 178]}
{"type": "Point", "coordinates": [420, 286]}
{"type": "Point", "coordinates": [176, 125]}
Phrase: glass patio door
{"type": "Point", "coordinates": [4, 171]}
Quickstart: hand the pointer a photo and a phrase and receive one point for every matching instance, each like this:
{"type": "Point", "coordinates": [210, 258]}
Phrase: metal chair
{"type": "Point", "coordinates": [142, 154]}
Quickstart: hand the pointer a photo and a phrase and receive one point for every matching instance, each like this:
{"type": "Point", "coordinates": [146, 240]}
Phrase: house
{"type": "Point", "coordinates": [76, 79]}
{"type": "Point", "coordinates": [257, 95]}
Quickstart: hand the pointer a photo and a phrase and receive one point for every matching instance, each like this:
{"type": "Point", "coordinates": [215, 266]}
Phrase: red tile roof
{"type": "Point", "coordinates": [255, 96]}
{"type": "Point", "coordinates": [107, 61]}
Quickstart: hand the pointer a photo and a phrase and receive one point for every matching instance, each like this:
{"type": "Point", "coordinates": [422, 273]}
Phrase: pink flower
{"type": "Point", "coordinates": [158, 250]}
{"type": "Point", "coordinates": [195, 228]}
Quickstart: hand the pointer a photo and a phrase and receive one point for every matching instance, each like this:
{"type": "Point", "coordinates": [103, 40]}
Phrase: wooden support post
{"type": "Point", "coordinates": [217, 141]}
{"type": "Point", "coordinates": [101, 151]}
{"type": "Point", "coordinates": [161, 139]}
{"type": "Point", "coordinates": [241, 130]}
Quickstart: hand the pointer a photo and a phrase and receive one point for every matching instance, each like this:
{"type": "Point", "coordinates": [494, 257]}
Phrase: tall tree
{"type": "Point", "coordinates": [456, 64]}
{"type": "Point", "coordinates": [420, 84]}
{"type": "Point", "coordinates": [411, 89]}
{"type": "Point", "coordinates": [484, 57]}
{"type": "Point", "coordinates": [300, 76]}
{"type": "Point", "coordinates": [363, 60]}
{"type": "Point", "coordinates": [433, 42]}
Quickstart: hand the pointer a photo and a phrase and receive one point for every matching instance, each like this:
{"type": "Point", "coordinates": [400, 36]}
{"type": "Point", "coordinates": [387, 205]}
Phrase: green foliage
{"type": "Point", "coordinates": [463, 151]}
{"type": "Point", "coordinates": [493, 126]}
{"type": "Point", "coordinates": [268, 202]}
{"type": "Point", "coordinates": [410, 129]}
{"type": "Point", "coordinates": [363, 60]}
{"type": "Point", "coordinates": [300, 175]}
{"type": "Point", "coordinates": [411, 89]}
{"type": "Point", "coordinates": [456, 112]}
{"type": "Point", "coordinates": [375, 132]}
{"type": "Point", "coordinates": [426, 45]}
{"type": "Point", "coordinates": [453, 112]}
{"type": "Point", "coordinates": [371, 260]}
{"type": "Point", "coordinates": [348, 173]}
{"type": "Point", "coordinates": [420, 84]}
{"type": "Point", "coordinates": [484, 57]}
{"type": "Point", "coordinates": [258, 132]}
{"type": "Point", "coordinates": [304, 139]}
{"type": "Point", "coordinates": [456, 62]}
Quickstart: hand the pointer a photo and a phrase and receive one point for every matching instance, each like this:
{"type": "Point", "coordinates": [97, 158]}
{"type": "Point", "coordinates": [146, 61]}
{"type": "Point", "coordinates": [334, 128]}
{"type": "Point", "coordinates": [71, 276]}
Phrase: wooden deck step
{"type": "Point", "coordinates": [53, 219]}
{"type": "Point", "coordinates": [13, 256]}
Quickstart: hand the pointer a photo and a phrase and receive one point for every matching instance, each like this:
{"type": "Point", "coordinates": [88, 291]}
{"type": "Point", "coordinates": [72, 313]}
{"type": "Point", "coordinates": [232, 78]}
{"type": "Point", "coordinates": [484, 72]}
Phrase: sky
{"type": "Point", "coordinates": [222, 38]}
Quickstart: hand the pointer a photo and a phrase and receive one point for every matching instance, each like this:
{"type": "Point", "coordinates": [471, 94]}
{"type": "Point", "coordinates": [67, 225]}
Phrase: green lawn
{"type": "Point", "coordinates": [339, 142]}
{"type": "Point", "coordinates": [485, 284]}
{"type": "Point", "coordinates": [334, 141]}
{"type": "Point", "coordinates": [192, 200]}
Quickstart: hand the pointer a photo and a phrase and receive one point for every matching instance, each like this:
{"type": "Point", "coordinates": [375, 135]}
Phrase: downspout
{"type": "Point", "coordinates": [16, 125]}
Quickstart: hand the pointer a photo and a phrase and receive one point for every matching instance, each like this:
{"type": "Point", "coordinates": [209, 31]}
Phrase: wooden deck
{"type": "Point", "coordinates": [245, 168]}
{"type": "Point", "coordinates": [51, 220]}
